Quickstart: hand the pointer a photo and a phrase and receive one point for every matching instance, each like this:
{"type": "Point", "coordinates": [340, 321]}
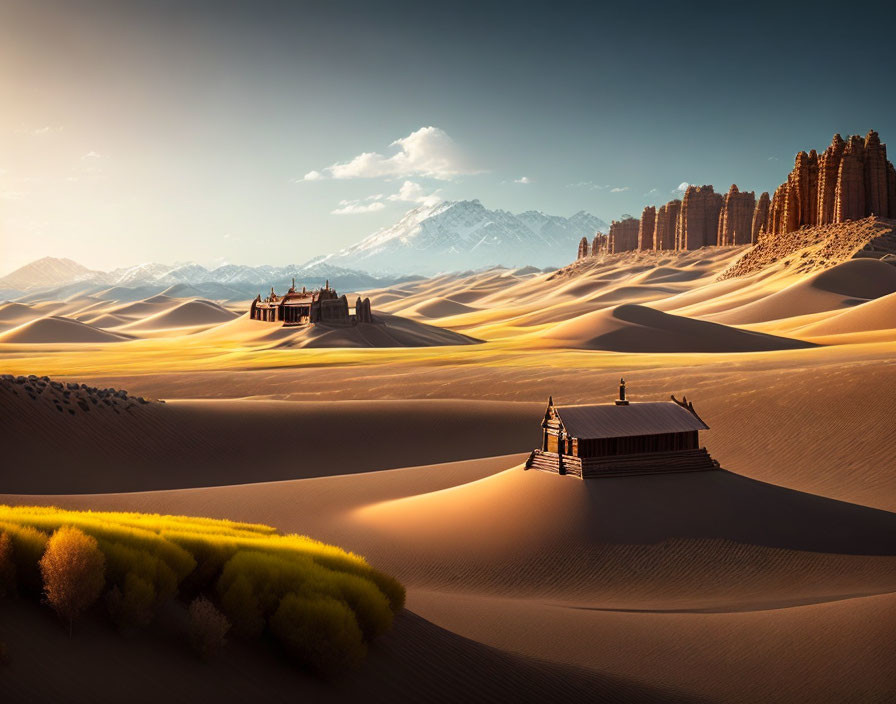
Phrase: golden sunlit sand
{"type": "Point", "coordinates": [537, 576]}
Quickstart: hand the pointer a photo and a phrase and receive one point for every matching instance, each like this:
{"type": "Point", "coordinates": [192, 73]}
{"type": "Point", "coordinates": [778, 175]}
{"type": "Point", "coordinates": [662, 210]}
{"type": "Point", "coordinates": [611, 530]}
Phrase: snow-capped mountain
{"type": "Point", "coordinates": [444, 237]}
{"type": "Point", "coordinates": [64, 277]}
{"type": "Point", "coordinates": [49, 271]}
{"type": "Point", "coordinates": [460, 235]}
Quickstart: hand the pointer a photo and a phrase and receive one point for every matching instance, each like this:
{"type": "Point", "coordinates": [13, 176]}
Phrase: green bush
{"type": "Point", "coordinates": [134, 603]}
{"type": "Point", "coordinates": [7, 566]}
{"type": "Point", "coordinates": [28, 544]}
{"type": "Point", "coordinates": [319, 632]}
{"type": "Point", "coordinates": [242, 607]}
{"type": "Point", "coordinates": [265, 582]}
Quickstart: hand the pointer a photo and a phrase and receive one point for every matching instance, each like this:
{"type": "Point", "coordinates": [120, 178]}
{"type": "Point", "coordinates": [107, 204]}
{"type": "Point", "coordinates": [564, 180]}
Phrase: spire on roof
{"type": "Point", "coordinates": [621, 401]}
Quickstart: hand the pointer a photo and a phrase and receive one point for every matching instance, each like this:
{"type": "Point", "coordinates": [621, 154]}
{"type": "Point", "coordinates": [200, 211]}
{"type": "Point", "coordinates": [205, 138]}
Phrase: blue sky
{"type": "Point", "coordinates": [175, 130]}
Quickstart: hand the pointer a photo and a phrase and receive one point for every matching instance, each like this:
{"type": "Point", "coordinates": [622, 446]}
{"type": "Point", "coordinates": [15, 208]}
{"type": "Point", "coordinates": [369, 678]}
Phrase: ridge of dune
{"type": "Point", "coordinates": [186, 314]}
{"type": "Point", "coordinates": [692, 540]}
{"type": "Point", "coordinates": [877, 314]}
{"type": "Point", "coordinates": [635, 328]}
{"type": "Point", "coordinates": [847, 284]}
{"type": "Point", "coordinates": [55, 329]}
{"type": "Point", "coordinates": [12, 312]}
{"type": "Point", "coordinates": [438, 307]}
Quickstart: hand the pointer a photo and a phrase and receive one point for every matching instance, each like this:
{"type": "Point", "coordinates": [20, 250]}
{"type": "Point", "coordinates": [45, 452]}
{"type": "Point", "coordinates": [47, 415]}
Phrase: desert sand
{"type": "Point", "coordinates": [772, 579]}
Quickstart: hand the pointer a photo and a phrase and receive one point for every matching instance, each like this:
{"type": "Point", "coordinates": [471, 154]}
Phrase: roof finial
{"type": "Point", "coordinates": [621, 401]}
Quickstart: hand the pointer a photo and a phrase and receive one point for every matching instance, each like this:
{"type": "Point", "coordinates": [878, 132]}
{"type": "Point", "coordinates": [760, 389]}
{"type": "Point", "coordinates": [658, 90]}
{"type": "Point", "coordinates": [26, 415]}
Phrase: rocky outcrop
{"type": "Point", "coordinates": [623, 236]}
{"type": "Point", "coordinates": [849, 181]}
{"type": "Point", "coordinates": [849, 200]}
{"type": "Point", "coordinates": [828, 170]}
{"type": "Point", "coordinates": [583, 248]}
{"type": "Point", "coordinates": [760, 217]}
{"type": "Point", "coordinates": [666, 223]}
{"type": "Point", "coordinates": [598, 244]}
{"type": "Point", "coordinates": [646, 228]}
{"type": "Point", "coordinates": [698, 224]}
{"type": "Point", "coordinates": [736, 218]}
{"type": "Point", "coordinates": [875, 158]}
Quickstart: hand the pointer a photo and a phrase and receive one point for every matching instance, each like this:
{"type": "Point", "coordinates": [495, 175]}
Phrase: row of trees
{"type": "Point", "coordinates": [323, 605]}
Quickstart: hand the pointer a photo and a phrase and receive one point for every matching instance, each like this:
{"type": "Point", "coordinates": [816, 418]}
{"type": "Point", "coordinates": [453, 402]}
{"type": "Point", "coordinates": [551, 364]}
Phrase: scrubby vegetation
{"type": "Point", "coordinates": [323, 604]}
{"type": "Point", "coordinates": [208, 627]}
{"type": "Point", "coordinates": [73, 568]}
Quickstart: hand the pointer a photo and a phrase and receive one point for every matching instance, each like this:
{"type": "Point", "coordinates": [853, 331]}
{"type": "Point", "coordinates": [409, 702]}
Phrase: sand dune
{"type": "Point", "coordinates": [55, 329]}
{"type": "Point", "coordinates": [187, 314]}
{"type": "Point", "coordinates": [106, 320]}
{"type": "Point", "coordinates": [848, 284]}
{"type": "Point", "coordinates": [202, 443]}
{"type": "Point", "coordinates": [879, 314]}
{"type": "Point", "coordinates": [438, 308]}
{"type": "Point", "coordinates": [634, 328]}
{"type": "Point", "coordinates": [145, 307]}
{"type": "Point", "coordinates": [15, 312]}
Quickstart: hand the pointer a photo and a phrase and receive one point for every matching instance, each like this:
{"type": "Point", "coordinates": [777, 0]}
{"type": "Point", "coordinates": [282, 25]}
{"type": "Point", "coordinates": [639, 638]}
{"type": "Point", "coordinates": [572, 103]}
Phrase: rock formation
{"type": "Point", "coordinates": [646, 229]}
{"type": "Point", "coordinates": [623, 235]}
{"type": "Point", "coordinates": [598, 244]}
{"type": "Point", "coordinates": [698, 223]}
{"type": "Point", "coordinates": [760, 217]}
{"type": "Point", "coordinates": [666, 222]}
{"type": "Point", "coordinates": [736, 218]}
{"type": "Point", "coordinates": [583, 248]}
{"type": "Point", "coordinates": [851, 180]}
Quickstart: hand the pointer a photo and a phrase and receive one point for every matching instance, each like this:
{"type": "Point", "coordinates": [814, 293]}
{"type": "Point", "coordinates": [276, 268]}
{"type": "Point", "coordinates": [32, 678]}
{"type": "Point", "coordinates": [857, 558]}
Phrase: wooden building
{"type": "Point", "coordinates": [621, 438]}
{"type": "Point", "coordinates": [305, 307]}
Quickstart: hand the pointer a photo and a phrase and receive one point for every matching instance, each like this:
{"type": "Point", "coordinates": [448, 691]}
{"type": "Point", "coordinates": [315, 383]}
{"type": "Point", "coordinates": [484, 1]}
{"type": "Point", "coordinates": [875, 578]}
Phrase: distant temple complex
{"type": "Point", "coordinates": [621, 439]}
{"type": "Point", "coordinates": [305, 307]}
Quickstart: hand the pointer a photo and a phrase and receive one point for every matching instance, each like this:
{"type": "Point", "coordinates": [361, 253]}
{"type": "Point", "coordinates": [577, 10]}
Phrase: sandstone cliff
{"type": "Point", "coordinates": [736, 218]}
{"type": "Point", "coordinates": [760, 216]}
{"type": "Point", "coordinates": [851, 180]}
{"type": "Point", "coordinates": [666, 223]}
{"type": "Point", "coordinates": [646, 228]}
{"type": "Point", "coordinates": [623, 235]}
{"type": "Point", "coordinates": [698, 223]}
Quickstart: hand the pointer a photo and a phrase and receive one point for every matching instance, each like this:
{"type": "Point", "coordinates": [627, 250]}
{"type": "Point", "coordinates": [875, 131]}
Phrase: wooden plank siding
{"type": "Point", "coordinates": [695, 460]}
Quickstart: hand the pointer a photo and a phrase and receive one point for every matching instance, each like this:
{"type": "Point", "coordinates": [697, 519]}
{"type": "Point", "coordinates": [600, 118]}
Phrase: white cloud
{"type": "Point", "coordinates": [427, 152]}
{"type": "Point", "coordinates": [411, 192]}
{"type": "Point", "coordinates": [682, 187]}
{"type": "Point", "coordinates": [90, 156]}
{"type": "Point", "coordinates": [590, 185]}
{"type": "Point", "coordinates": [347, 207]}
{"type": "Point", "coordinates": [619, 189]}
{"type": "Point", "coordinates": [523, 179]}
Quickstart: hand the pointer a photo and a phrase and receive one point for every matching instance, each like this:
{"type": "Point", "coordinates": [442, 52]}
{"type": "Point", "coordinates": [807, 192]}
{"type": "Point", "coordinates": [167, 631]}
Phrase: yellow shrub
{"type": "Point", "coordinates": [73, 571]}
{"type": "Point", "coordinates": [319, 632]}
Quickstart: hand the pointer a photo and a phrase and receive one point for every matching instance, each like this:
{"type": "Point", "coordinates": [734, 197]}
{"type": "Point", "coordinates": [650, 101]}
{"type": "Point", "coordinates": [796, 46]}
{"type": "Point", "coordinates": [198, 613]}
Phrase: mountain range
{"type": "Point", "coordinates": [445, 237]}
{"type": "Point", "coordinates": [462, 235]}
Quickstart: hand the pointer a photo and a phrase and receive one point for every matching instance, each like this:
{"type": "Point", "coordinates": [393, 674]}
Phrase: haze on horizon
{"type": "Point", "coordinates": [271, 132]}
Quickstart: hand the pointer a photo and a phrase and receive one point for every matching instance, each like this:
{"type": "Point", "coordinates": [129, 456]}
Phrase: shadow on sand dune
{"type": "Point", "coordinates": [728, 506]}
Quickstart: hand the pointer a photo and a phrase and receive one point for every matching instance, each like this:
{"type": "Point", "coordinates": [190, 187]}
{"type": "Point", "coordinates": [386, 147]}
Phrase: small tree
{"type": "Point", "coordinates": [208, 627]}
{"type": "Point", "coordinates": [73, 570]}
{"type": "Point", "coordinates": [7, 566]}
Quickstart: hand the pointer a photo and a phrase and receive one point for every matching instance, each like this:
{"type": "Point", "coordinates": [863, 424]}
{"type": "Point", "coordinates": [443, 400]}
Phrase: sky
{"type": "Point", "coordinates": [263, 132]}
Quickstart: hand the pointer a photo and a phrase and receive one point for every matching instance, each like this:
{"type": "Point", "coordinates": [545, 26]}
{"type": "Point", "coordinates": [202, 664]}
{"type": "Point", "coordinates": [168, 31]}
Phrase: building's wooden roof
{"type": "Point", "coordinates": [611, 421]}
